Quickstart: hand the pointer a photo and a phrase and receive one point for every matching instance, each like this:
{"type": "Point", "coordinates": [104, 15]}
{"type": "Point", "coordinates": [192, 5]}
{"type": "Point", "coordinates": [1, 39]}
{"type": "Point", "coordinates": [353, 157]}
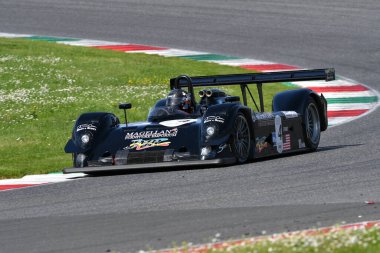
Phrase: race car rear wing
{"type": "Point", "coordinates": [252, 78]}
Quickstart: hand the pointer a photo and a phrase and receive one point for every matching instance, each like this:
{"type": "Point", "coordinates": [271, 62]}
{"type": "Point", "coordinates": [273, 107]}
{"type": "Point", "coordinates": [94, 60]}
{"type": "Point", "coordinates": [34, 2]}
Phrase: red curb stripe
{"type": "Point", "coordinates": [345, 113]}
{"type": "Point", "coordinates": [339, 88]}
{"type": "Point", "coordinates": [265, 67]}
{"type": "Point", "coordinates": [130, 47]}
{"type": "Point", "coordinates": [14, 186]}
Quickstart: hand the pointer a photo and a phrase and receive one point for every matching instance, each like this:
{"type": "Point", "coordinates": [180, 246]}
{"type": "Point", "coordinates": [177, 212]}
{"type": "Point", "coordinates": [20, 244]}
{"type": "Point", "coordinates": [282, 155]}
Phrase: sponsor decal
{"type": "Point", "coordinates": [278, 133]}
{"type": "Point", "coordinates": [287, 144]}
{"type": "Point", "coordinates": [221, 148]}
{"type": "Point", "coordinates": [141, 144]}
{"type": "Point", "coordinates": [86, 127]}
{"type": "Point", "coordinates": [261, 144]}
{"type": "Point", "coordinates": [177, 122]}
{"type": "Point", "coordinates": [152, 134]}
{"type": "Point", "coordinates": [214, 119]}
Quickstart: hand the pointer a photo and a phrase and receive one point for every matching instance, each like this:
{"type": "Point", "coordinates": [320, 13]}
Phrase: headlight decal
{"type": "Point", "coordinates": [210, 130]}
{"type": "Point", "coordinates": [85, 138]}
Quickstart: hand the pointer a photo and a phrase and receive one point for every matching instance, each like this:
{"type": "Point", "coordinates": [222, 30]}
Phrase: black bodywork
{"type": "Point", "coordinates": [220, 130]}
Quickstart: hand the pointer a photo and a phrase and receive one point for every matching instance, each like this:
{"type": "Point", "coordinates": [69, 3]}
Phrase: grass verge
{"type": "Point", "coordinates": [352, 240]}
{"type": "Point", "coordinates": [45, 86]}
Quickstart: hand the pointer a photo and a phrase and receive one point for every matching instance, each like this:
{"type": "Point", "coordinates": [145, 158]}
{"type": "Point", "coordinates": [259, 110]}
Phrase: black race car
{"type": "Point", "coordinates": [218, 129]}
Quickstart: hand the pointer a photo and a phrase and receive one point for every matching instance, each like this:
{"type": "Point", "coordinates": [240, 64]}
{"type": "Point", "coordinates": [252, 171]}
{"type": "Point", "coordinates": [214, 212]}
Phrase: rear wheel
{"type": "Point", "coordinates": [241, 139]}
{"type": "Point", "coordinates": [312, 125]}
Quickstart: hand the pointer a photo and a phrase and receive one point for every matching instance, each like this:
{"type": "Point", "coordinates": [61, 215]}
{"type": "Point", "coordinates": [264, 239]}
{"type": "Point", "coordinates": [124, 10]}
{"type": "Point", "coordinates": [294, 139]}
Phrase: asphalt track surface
{"type": "Point", "coordinates": [156, 208]}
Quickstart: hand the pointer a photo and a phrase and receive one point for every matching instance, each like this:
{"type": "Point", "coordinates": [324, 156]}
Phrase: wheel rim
{"type": "Point", "coordinates": [313, 123]}
{"type": "Point", "coordinates": [242, 138]}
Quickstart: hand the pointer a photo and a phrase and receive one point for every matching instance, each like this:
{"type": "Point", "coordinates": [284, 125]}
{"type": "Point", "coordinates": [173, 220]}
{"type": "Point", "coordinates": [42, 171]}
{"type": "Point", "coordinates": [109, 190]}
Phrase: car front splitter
{"type": "Point", "coordinates": [99, 169]}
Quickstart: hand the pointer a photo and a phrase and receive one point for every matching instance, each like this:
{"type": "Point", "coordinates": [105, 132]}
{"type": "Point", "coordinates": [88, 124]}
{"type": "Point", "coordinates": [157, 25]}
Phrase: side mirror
{"type": "Point", "coordinates": [125, 107]}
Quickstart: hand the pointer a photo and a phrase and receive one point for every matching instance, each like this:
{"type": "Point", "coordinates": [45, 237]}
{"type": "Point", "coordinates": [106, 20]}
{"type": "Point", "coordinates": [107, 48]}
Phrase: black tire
{"type": "Point", "coordinates": [241, 139]}
{"type": "Point", "coordinates": [312, 125]}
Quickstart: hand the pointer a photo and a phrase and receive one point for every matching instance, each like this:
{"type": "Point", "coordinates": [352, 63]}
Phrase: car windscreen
{"type": "Point", "coordinates": [161, 113]}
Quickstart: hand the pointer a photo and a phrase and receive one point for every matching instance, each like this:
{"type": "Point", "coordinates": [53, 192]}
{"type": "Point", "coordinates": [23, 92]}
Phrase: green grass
{"type": "Point", "coordinates": [363, 240]}
{"type": "Point", "coordinates": [45, 86]}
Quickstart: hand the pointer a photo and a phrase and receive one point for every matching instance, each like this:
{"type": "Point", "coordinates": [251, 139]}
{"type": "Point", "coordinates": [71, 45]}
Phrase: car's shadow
{"type": "Point", "coordinates": [297, 153]}
{"type": "Point", "coordinates": [327, 148]}
{"type": "Point", "coordinates": [179, 168]}
{"type": "Point", "coordinates": [153, 170]}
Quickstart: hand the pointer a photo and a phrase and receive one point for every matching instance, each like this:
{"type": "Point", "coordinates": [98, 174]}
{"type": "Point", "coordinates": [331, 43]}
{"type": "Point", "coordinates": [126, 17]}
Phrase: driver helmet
{"type": "Point", "coordinates": [179, 99]}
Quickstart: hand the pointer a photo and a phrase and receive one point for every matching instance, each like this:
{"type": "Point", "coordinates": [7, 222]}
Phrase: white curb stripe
{"type": "Point", "coordinates": [11, 35]}
{"type": "Point", "coordinates": [52, 177]}
{"type": "Point", "coordinates": [348, 94]}
{"type": "Point", "coordinates": [42, 179]}
{"type": "Point", "coordinates": [278, 70]}
{"type": "Point", "coordinates": [241, 62]}
{"type": "Point", "coordinates": [353, 106]}
{"type": "Point", "coordinates": [172, 52]}
{"type": "Point", "coordinates": [335, 83]}
{"type": "Point", "coordinates": [333, 121]}
{"type": "Point", "coordinates": [90, 43]}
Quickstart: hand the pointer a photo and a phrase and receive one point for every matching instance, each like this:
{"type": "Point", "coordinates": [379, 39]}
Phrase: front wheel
{"type": "Point", "coordinates": [241, 139]}
{"type": "Point", "coordinates": [312, 125]}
